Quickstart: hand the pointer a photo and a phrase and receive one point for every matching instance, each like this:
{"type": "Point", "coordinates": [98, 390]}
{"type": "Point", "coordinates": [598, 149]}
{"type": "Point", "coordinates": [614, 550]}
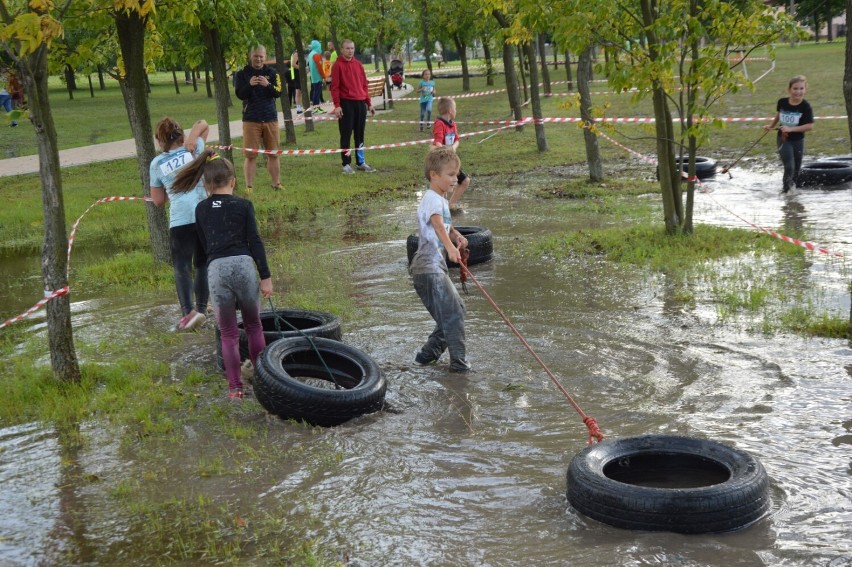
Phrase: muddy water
{"type": "Point", "coordinates": [470, 470]}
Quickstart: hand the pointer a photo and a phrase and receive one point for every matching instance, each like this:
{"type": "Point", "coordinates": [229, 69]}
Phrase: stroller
{"type": "Point", "coordinates": [396, 72]}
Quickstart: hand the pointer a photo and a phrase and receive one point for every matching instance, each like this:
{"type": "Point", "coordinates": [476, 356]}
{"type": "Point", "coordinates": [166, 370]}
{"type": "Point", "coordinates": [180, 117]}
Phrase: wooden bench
{"type": "Point", "coordinates": [376, 87]}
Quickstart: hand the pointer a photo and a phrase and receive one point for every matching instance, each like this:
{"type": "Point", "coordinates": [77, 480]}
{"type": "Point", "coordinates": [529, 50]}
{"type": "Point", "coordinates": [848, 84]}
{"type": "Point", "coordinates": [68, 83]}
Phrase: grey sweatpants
{"type": "Point", "coordinates": [446, 307]}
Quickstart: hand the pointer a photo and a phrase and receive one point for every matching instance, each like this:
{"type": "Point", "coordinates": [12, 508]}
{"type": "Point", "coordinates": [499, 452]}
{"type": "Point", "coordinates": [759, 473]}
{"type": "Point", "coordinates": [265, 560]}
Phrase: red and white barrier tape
{"type": "Point", "coordinates": [349, 150]}
{"type": "Point", "coordinates": [53, 294]}
{"type": "Point", "coordinates": [813, 247]}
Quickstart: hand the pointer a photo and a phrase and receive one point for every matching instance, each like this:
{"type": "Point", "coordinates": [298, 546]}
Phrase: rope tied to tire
{"type": "Point", "coordinates": [279, 318]}
{"type": "Point", "coordinates": [595, 433]}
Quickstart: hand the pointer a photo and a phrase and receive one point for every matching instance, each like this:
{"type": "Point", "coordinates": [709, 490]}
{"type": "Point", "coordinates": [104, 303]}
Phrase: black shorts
{"type": "Point", "coordinates": [293, 82]}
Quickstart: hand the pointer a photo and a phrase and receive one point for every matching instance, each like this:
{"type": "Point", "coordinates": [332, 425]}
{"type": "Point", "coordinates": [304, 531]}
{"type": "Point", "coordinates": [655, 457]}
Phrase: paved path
{"type": "Point", "coordinates": [127, 148]}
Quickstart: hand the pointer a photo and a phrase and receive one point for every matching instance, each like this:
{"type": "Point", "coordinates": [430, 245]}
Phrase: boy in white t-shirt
{"type": "Point", "coordinates": [429, 268]}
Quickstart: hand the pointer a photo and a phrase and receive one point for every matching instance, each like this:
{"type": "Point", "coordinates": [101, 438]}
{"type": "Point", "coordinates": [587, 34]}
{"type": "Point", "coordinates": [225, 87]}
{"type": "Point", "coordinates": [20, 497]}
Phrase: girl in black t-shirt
{"type": "Point", "coordinates": [793, 118]}
{"type": "Point", "coordinates": [235, 254]}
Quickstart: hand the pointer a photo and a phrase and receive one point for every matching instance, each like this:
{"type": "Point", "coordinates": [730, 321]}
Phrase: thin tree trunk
{"type": "Point", "coordinates": [424, 22]}
{"type": "Point", "coordinates": [540, 136]}
{"type": "Point", "coordinates": [489, 62]}
{"type": "Point", "coordinates": [207, 81]}
{"type": "Point", "coordinates": [131, 38]}
{"type": "Point", "coordinates": [280, 58]}
{"type": "Point", "coordinates": [304, 77]}
{"type": "Point", "coordinates": [509, 71]}
{"type": "Point", "coordinates": [461, 47]}
{"type": "Point", "coordinates": [175, 80]}
{"type": "Point", "coordinates": [63, 358]}
{"type": "Point", "coordinates": [522, 66]}
{"type": "Point", "coordinates": [568, 71]}
{"type": "Point", "coordinates": [545, 72]}
{"type": "Point", "coordinates": [91, 86]}
{"type": "Point", "coordinates": [70, 82]}
{"type": "Point", "coordinates": [101, 78]}
{"type": "Point", "coordinates": [381, 56]}
{"type": "Point", "coordinates": [593, 154]}
{"type": "Point", "coordinates": [216, 57]}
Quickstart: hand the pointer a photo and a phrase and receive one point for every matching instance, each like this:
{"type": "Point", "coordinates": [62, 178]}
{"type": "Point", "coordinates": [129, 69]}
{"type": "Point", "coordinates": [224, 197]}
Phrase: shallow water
{"type": "Point", "coordinates": [470, 470]}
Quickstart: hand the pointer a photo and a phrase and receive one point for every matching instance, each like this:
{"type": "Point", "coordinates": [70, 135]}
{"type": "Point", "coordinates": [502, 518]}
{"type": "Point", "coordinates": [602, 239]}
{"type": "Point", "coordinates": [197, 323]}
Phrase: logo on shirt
{"type": "Point", "coordinates": [217, 204]}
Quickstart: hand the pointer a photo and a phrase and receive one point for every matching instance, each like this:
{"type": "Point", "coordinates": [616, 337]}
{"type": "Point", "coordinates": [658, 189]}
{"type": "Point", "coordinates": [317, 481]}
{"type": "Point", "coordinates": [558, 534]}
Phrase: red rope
{"type": "Point", "coordinates": [592, 425]}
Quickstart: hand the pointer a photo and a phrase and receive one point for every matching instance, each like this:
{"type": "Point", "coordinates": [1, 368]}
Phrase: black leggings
{"type": "Point", "coordinates": [187, 251]}
{"type": "Point", "coordinates": [791, 152]}
{"type": "Point", "coordinates": [353, 121]}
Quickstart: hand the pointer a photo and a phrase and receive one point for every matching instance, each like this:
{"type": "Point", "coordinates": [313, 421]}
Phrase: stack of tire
{"type": "Point", "coordinates": [306, 373]}
{"type": "Point", "coordinates": [480, 242]}
{"type": "Point", "coordinates": [828, 173]}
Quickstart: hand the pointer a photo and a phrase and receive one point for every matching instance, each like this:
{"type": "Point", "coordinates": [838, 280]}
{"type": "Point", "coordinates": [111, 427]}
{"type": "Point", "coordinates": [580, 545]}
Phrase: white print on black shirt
{"type": "Point", "coordinates": [217, 204]}
{"type": "Point", "coordinates": [788, 118]}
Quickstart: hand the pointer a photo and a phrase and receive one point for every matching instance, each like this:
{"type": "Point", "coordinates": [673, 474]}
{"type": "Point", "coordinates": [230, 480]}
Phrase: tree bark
{"type": "Point", "coordinates": [304, 75]}
{"type": "Point", "coordinates": [593, 154]}
{"type": "Point", "coordinates": [131, 37]}
{"type": "Point", "coordinates": [521, 66]}
{"type": "Point", "coordinates": [424, 23]}
{"type": "Point", "coordinates": [63, 358]}
{"type": "Point", "coordinates": [216, 56]}
{"type": "Point", "coordinates": [540, 136]}
{"type": "Point", "coordinates": [461, 47]}
{"type": "Point", "coordinates": [381, 58]}
{"type": "Point", "coordinates": [280, 58]}
{"type": "Point", "coordinates": [568, 71]}
{"type": "Point", "coordinates": [91, 86]}
{"type": "Point", "coordinates": [489, 62]}
{"type": "Point", "coordinates": [175, 81]}
{"type": "Point", "coordinates": [101, 78]}
{"type": "Point", "coordinates": [847, 77]}
{"type": "Point", "coordinates": [545, 72]}
{"type": "Point", "coordinates": [70, 81]}
{"type": "Point", "coordinates": [509, 72]}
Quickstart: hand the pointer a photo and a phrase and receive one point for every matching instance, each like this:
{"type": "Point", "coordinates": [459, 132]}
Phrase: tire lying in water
{"type": "Point", "coordinates": [847, 158]}
{"type": "Point", "coordinates": [479, 241]}
{"type": "Point", "coordinates": [668, 483]}
{"type": "Point", "coordinates": [828, 172]}
{"type": "Point", "coordinates": [704, 166]}
{"type": "Point", "coordinates": [311, 323]}
{"type": "Point", "coordinates": [292, 382]}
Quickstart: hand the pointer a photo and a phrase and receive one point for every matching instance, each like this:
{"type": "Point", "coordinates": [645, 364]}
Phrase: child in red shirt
{"type": "Point", "coordinates": [445, 132]}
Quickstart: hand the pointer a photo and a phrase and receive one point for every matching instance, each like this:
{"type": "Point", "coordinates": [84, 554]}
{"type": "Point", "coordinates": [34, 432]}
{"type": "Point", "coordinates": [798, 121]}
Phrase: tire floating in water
{"type": "Point", "coordinates": [828, 172]}
{"type": "Point", "coordinates": [704, 166]}
{"type": "Point", "coordinates": [292, 382]}
{"type": "Point", "coordinates": [480, 242]}
{"type": "Point", "coordinates": [668, 483]}
{"type": "Point", "coordinates": [311, 323]}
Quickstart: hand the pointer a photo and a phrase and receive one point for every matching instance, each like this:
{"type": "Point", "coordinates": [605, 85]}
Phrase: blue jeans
{"type": "Point", "coordinates": [6, 102]}
{"type": "Point", "coordinates": [316, 93]}
{"type": "Point", "coordinates": [425, 111]}
{"type": "Point", "coordinates": [446, 307]}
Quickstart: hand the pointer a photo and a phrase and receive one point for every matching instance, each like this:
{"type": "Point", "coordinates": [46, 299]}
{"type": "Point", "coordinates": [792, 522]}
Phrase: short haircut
{"type": "Point", "coordinates": [439, 158]}
{"type": "Point", "coordinates": [445, 103]}
{"type": "Point", "coordinates": [257, 47]}
{"type": "Point", "coordinates": [797, 79]}
{"type": "Point", "coordinates": [345, 41]}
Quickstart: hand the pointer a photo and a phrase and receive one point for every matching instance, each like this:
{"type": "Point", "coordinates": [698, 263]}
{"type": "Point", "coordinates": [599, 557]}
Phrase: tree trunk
{"type": "Point", "coordinates": [207, 82]}
{"type": "Point", "coordinates": [304, 77]}
{"type": "Point", "coordinates": [424, 22]}
{"type": "Point", "coordinates": [568, 71]}
{"type": "Point", "coordinates": [131, 37]}
{"type": "Point", "coordinates": [461, 47]}
{"type": "Point", "coordinates": [63, 358]}
{"type": "Point", "coordinates": [522, 67]}
{"type": "Point", "coordinates": [70, 81]}
{"type": "Point", "coordinates": [175, 81]}
{"type": "Point", "coordinates": [847, 77]}
{"type": "Point", "coordinates": [593, 154]}
{"type": "Point", "coordinates": [216, 57]}
{"type": "Point", "coordinates": [545, 72]}
{"type": "Point", "coordinates": [540, 136]}
{"type": "Point", "coordinates": [280, 58]}
{"type": "Point", "coordinates": [101, 78]}
{"type": "Point", "coordinates": [512, 84]}
{"type": "Point", "coordinates": [381, 57]}
{"type": "Point", "coordinates": [91, 86]}
{"type": "Point", "coordinates": [489, 63]}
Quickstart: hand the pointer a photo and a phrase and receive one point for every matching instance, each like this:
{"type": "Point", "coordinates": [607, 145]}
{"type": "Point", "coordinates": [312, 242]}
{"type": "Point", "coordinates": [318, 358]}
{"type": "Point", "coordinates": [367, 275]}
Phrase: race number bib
{"type": "Point", "coordinates": [788, 118]}
{"type": "Point", "coordinates": [449, 138]}
{"type": "Point", "coordinates": [174, 163]}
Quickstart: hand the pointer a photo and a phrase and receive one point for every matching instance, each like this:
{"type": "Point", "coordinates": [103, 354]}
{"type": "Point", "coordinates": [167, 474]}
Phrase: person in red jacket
{"type": "Point", "coordinates": [351, 104]}
{"type": "Point", "coordinates": [445, 132]}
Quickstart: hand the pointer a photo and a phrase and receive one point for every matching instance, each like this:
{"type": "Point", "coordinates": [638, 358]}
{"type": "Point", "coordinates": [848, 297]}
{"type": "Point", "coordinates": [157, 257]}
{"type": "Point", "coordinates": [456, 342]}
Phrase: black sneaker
{"type": "Point", "coordinates": [460, 367]}
{"type": "Point", "coordinates": [424, 360]}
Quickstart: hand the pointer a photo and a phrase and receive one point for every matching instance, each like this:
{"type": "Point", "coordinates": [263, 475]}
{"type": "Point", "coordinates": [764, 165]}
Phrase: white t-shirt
{"type": "Point", "coordinates": [429, 258]}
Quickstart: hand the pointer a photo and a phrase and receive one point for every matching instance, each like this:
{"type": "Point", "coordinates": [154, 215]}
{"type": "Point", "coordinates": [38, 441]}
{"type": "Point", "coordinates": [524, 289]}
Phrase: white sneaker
{"type": "Point", "coordinates": [347, 169]}
{"type": "Point", "coordinates": [190, 323]}
{"type": "Point", "coordinates": [365, 167]}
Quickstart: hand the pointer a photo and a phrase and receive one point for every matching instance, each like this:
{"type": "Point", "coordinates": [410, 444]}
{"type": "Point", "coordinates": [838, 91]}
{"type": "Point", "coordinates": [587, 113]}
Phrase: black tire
{"type": "Point", "coordinates": [704, 167]}
{"type": "Point", "coordinates": [479, 240]}
{"type": "Point", "coordinates": [668, 483]}
{"type": "Point", "coordinates": [827, 172]}
{"type": "Point", "coordinates": [279, 388]}
{"type": "Point", "coordinates": [311, 323]}
{"type": "Point", "coordinates": [846, 158]}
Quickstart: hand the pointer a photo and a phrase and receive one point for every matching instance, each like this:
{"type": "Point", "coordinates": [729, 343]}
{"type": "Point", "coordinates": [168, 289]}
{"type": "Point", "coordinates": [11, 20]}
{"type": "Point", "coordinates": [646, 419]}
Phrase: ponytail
{"type": "Point", "coordinates": [215, 170]}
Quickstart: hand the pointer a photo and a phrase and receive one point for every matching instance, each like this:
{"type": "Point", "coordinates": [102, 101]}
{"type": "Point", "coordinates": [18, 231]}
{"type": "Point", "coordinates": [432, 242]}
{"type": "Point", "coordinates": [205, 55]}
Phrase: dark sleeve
{"type": "Point", "coordinates": [778, 105]}
{"type": "Point", "coordinates": [258, 252]}
{"type": "Point", "coordinates": [199, 224]}
{"type": "Point", "coordinates": [242, 86]}
{"type": "Point", "coordinates": [807, 115]}
{"type": "Point", "coordinates": [274, 88]}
